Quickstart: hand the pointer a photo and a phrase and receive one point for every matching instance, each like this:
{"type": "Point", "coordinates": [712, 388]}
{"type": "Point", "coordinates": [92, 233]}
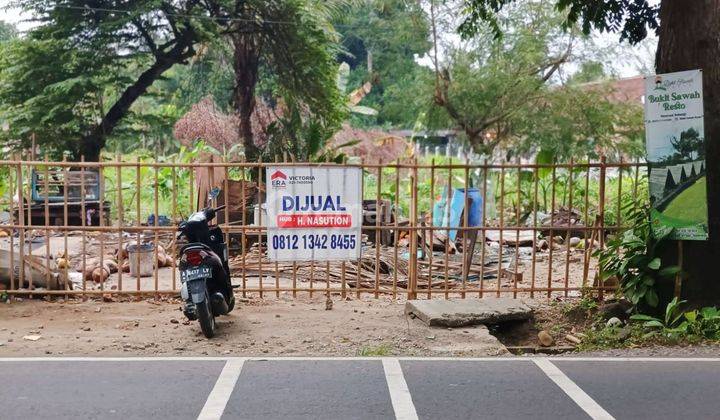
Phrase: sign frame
{"type": "Point", "coordinates": [314, 213]}
{"type": "Point", "coordinates": [675, 151]}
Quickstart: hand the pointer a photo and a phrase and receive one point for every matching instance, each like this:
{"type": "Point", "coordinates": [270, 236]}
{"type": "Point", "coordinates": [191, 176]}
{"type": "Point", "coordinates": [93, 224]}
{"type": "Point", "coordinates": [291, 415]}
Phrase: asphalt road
{"type": "Point", "coordinates": [359, 388]}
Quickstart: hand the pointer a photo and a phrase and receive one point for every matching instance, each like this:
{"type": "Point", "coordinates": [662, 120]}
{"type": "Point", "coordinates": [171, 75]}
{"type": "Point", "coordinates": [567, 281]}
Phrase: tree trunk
{"type": "Point", "coordinates": [92, 143]}
{"type": "Point", "coordinates": [246, 64]}
{"type": "Point", "coordinates": [690, 39]}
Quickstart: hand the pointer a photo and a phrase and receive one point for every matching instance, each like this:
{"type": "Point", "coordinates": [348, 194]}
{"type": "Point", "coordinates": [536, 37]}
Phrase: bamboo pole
{"type": "Point", "coordinates": [432, 222]}
{"type": "Point", "coordinates": [536, 181]}
{"type": "Point", "coordinates": [412, 281]}
{"type": "Point", "coordinates": [21, 228]}
{"type": "Point", "coordinates": [552, 233]}
{"type": "Point", "coordinates": [603, 174]}
{"type": "Point", "coordinates": [568, 232]}
{"type": "Point", "coordinates": [378, 241]}
{"type": "Point", "coordinates": [65, 222]}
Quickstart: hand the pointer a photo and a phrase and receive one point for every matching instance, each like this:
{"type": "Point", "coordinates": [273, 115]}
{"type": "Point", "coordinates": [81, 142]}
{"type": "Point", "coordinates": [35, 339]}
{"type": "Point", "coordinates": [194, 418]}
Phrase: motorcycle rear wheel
{"type": "Point", "coordinates": [206, 317]}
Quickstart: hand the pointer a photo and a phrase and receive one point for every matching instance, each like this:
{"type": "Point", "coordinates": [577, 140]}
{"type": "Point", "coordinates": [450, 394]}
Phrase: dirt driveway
{"type": "Point", "coordinates": [272, 327]}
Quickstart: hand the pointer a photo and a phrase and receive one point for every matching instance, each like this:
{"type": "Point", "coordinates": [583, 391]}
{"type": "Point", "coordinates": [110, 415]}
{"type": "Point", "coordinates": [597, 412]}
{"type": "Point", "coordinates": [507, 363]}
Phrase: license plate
{"type": "Point", "coordinates": [195, 273]}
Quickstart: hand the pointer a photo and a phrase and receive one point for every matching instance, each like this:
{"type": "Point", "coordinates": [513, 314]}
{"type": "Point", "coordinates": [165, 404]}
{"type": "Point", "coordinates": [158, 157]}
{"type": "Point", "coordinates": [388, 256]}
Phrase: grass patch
{"type": "Point", "coordinates": [375, 351]}
{"type": "Point", "coordinates": [690, 205]}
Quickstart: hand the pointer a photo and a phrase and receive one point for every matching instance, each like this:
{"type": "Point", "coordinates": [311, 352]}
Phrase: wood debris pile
{"type": "Point", "coordinates": [387, 267]}
{"type": "Point", "coordinates": [563, 219]}
{"type": "Point", "coordinates": [392, 268]}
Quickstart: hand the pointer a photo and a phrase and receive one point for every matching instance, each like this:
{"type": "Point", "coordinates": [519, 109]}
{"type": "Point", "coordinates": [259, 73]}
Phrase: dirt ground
{"type": "Point", "coordinates": [269, 327]}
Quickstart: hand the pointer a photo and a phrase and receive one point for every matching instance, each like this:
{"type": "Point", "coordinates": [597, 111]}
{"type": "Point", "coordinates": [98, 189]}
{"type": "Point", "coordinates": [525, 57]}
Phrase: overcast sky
{"type": "Point", "coordinates": [13, 16]}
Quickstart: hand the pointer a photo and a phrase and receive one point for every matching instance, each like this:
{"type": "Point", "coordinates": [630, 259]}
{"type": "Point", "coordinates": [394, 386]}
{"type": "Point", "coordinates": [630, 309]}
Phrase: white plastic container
{"type": "Point", "coordinates": [142, 259]}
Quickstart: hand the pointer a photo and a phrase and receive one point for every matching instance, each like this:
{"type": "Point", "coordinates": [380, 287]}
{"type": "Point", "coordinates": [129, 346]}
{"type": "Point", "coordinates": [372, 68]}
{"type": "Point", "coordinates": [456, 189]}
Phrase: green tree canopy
{"type": "Point", "coordinates": [381, 40]}
{"type": "Point", "coordinates": [578, 122]}
{"type": "Point", "coordinates": [287, 49]}
{"type": "Point", "coordinates": [631, 18]}
{"type": "Point", "coordinates": [8, 31]}
{"type": "Point", "coordinates": [74, 78]}
{"type": "Point", "coordinates": [689, 145]}
{"type": "Point", "coordinates": [481, 87]}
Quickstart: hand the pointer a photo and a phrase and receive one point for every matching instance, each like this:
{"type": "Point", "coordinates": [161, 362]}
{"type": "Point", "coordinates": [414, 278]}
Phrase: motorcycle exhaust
{"type": "Point", "coordinates": [218, 303]}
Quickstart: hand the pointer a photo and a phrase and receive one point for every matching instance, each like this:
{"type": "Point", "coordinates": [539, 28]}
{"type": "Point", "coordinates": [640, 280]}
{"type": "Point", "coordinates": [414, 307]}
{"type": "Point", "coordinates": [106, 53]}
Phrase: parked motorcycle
{"type": "Point", "coordinates": [204, 270]}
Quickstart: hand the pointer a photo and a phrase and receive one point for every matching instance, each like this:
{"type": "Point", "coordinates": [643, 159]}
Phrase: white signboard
{"type": "Point", "coordinates": [675, 137]}
{"type": "Point", "coordinates": [673, 103]}
{"type": "Point", "coordinates": [314, 213]}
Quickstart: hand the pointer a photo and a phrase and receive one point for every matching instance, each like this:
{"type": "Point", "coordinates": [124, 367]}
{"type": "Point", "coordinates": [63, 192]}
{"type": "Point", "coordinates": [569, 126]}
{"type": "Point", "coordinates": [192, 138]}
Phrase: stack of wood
{"type": "Point", "coordinates": [363, 273]}
{"type": "Point", "coordinates": [240, 194]}
{"type": "Point", "coordinates": [563, 219]}
{"type": "Point", "coordinates": [43, 271]}
{"type": "Point", "coordinates": [364, 270]}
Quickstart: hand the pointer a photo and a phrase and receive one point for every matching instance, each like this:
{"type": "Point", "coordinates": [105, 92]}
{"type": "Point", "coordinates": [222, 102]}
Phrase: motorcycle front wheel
{"type": "Point", "coordinates": [206, 317]}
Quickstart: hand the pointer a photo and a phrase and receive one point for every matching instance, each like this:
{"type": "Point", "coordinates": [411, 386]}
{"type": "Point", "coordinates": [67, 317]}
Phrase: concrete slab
{"type": "Point", "coordinates": [462, 312]}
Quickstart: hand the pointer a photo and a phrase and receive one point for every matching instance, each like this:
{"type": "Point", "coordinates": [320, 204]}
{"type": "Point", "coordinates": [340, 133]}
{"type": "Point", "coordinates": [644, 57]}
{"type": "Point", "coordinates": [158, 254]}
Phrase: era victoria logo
{"type": "Point", "coordinates": [278, 180]}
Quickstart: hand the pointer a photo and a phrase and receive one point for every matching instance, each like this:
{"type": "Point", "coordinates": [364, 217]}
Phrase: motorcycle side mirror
{"type": "Point", "coordinates": [213, 194]}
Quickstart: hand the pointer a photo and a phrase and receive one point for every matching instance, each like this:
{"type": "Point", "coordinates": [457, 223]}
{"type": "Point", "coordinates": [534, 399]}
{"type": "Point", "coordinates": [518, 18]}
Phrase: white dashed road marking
{"type": "Point", "coordinates": [573, 391]}
{"type": "Point", "coordinates": [220, 394]}
{"type": "Point", "coordinates": [399, 393]}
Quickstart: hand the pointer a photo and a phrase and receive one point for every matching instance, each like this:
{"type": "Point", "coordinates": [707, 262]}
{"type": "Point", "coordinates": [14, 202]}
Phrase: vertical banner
{"type": "Point", "coordinates": [675, 141]}
{"type": "Point", "coordinates": [314, 213]}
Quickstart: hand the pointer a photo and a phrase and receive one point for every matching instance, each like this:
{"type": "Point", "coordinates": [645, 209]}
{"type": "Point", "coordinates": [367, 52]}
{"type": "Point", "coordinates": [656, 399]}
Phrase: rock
{"type": "Point", "coordinates": [111, 265]}
{"type": "Point", "coordinates": [545, 339]}
{"type": "Point", "coordinates": [464, 312]}
{"type": "Point", "coordinates": [100, 274]}
{"type": "Point", "coordinates": [541, 245]}
{"type": "Point", "coordinates": [575, 241]}
{"type": "Point", "coordinates": [558, 239]}
{"type": "Point", "coordinates": [108, 297]}
{"type": "Point", "coordinates": [32, 337]}
{"type": "Point", "coordinates": [614, 322]}
{"type": "Point", "coordinates": [616, 309]}
{"type": "Point", "coordinates": [571, 338]}
{"type": "Point", "coordinates": [174, 321]}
